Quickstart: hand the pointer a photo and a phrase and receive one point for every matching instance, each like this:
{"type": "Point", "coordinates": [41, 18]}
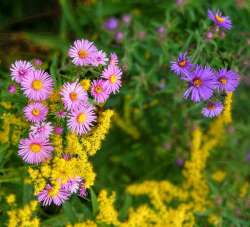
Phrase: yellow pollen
{"type": "Point", "coordinates": [219, 19]}
{"type": "Point", "coordinates": [182, 63]}
{"type": "Point", "coordinates": [35, 112]}
{"type": "Point", "coordinates": [73, 96]}
{"type": "Point", "coordinates": [81, 118]}
{"type": "Point", "coordinates": [112, 78]}
{"type": "Point", "coordinates": [223, 80]}
{"type": "Point", "coordinates": [197, 82]}
{"type": "Point", "coordinates": [82, 54]}
{"type": "Point", "coordinates": [53, 192]}
{"type": "Point", "coordinates": [37, 85]}
{"type": "Point", "coordinates": [35, 147]}
{"type": "Point", "coordinates": [98, 89]}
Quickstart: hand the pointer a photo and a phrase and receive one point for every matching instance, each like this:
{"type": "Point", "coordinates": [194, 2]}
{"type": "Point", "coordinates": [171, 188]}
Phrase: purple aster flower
{"type": "Point", "coordinates": [111, 23]}
{"type": "Point", "coordinates": [201, 84]}
{"type": "Point", "coordinates": [35, 150]}
{"type": "Point", "coordinates": [219, 20]}
{"type": "Point", "coordinates": [12, 89]}
{"type": "Point", "coordinates": [113, 59]}
{"type": "Point", "coordinates": [212, 109]}
{"type": "Point", "coordinates": [20, 70]}
{"type": "Point", "coordinates": [182, 65]}
{"type": "Point", "coordinates": [82, 190]}
{"type": "Point", "coordinates": [126, 18]}
{"type": "Point", "coordinates": [58, 130]}
{"type": "Point", "coordinates": [227, 80]}
{"type": "Point", "coordinates": [72, 185]}
{"type": "Point", "coordinates": [119, 36]}
{"type": "Point", "coordinates": [100, 58]}
{"type": "Point", "coordinates": [35, 112]}
{"type": "Point", "coordinates": [161, 29]}
{"type": "Point", "coordinates": [41, 129]}
{"type": "Point", "coordinates": [179, 162]}
{"type": "Point", "coordinates": [54, 195]}
{"type": "Point", "coordinates": [99, 91]}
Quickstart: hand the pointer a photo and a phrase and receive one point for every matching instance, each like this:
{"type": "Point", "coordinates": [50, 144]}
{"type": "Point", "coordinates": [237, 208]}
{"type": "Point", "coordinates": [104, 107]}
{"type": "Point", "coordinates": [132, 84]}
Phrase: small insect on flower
{"type": "Point", "coordinates": [43, 129]}
{"type": "Point", "coordinates": [56, 195]}
{"type": "Point", "coordinates": [82, 52]}
{"type": "Point", "coordinates": [81, 120]}
{"type": "Point", "coordinates": [35, 150]}
{"type": "Point", "coordinates": [20, 69]}
{"type": "Point", "coordinates": [38, 85]}
{"type": "Point", "coordinates": [99, 91]}
{"type": "Point", "coordinates": [219, 20]}
{"type": "Point", "coordinates": [201, 84]}
{"type": "Point", "coordinates": [100, 58]}
{"type": "Point", "coordinates": [227, 80]}
{"type": "Point", "coordinates": [73, 95]}
{"type": "Point", "coordinates": [212, 109]}
{"type": "Point", "coordinates": [182, 65]}
{"type": "Point", "coordinates": [113, 59]}
{"type": "Point", "coordinates": [35, 112]}
{"type": "Point", "coordinates": [112, 74]}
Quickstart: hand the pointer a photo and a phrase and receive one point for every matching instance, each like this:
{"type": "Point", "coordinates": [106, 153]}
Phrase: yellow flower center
{"type": "Point", "coordinates": [211, 106]}
{"type": "Point", "coordinates": [73, 96]}
{"type": "Point", "coordinates": [35, 112]}
{"type": "Point", "coordinates": [223, 80]}
{"type": "Point", "coordinates": [82, 54]}
{"type": "Point", "coordinates": [219, 19]}
{"type": "Point", "coordinates": [112, 78]}
{"type": "Point", "coordinates": [35, 147]}
{"type": "Point", "coordinates": [52, 192]}
{"type": "Point", "coordinates": [197, 82]}
{"type": "Point", "coordinates": [182, 63]}
{"type": "Point", "coordinates": [81, 118]}
{"type": "Point", "coordinates": [98, 89]}
{"type": "Point", "coordinates": [37, 85]}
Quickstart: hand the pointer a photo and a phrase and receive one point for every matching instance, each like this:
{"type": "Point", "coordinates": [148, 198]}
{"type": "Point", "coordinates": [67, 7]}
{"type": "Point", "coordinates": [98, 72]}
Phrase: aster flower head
{"type": "Point", "coordinates": [72, 185]}
{"type": "Point", "coordinates": [221, 21]}
{"type": "Point", "coordinates": [119, 36]}
{"type": "Point", "coordinates": [113, 59]}
{"type": "Point", "coordinates": [58, 130]}
{"type": "Point", "coordinates": [20, 69]}
{"type": "Point", "coordinates": [100, 58]}
{"type": "Point", "coordinates": [81, 120]}
{"type": "Point", "coordinates": [182, 65]}
{"type": "Point", "coordinates": [41, 129]}
{"type": "Point", "coordinates": [12, 89]}
{"type": "Point", "coordinates": [99, 91]}
{"type": "Point", "coordinates": [82, 52]}
{"type": "Point", "coordinates": [38, 85]}
{"type": "Point", "coordinates": [82, 190]}
{"type": "Point", "coordinates": [55, 195]}
{"type": "Point", "coordinates": [35, 112]}
{"type": "Point", "coordinates": [227, 80]}
{"type": "Point", "coordinates": [73, 95]}
{"type": "Point", "coordinates": [126, 18]}
{"type": "Point", "coordinates": [35, 150]}
{"type": "Point", "coordinates": [212, 109]}
{"type": "Point", "coordinates": [201, 84]}
{"type": "Point", "coordinates": [112, 74]}
{"type": "Point", "coordinates": [111, 23]}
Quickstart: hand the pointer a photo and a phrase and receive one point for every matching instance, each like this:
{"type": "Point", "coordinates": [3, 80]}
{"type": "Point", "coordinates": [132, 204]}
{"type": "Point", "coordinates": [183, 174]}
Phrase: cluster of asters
{"type": "Point", "coordinates": [78, 108]}
{"type": "Point", "coordinates": [203, 81]}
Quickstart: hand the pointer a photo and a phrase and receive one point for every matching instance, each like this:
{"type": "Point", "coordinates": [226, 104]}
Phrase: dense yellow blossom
{"type": "Point", "coordinates": [218, 176]}
{"type": "Point", "coordinates": [85, 83]}
{"type": "Point", "coordinates": [23, 217]}
{"type": "Point", "coordinates": [107, 212]}
{"type": "Point", "coordinates": [10, 199]}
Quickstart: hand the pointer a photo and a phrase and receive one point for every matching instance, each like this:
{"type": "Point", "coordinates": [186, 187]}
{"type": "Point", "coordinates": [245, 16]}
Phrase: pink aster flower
{"type": "Point", "coordinates": [73, 95]}
{"type": "Point", "coordinates": [112, 74]}
{"type": "Point", "coordinates": [81, 120]}
{"type": "Point", "coordinates": [38, 85]}
{"type": "Point", "coordinates": [100, 58]}
{"type": "Point", "coordinates": [35, 112]}
{"type": "Point", "coordinates": [82, 52]}
{"type": "Point", "coordinates": [227, 80]}
{"type": "Point", "coordinates": [58, 130]}
{"type": "Point", "coordinates": [219, 20]}
{"type": "Point", "coordinates": [41, 129]}
{"type": "Point", "coordinates": [35, 150]}
{"type": "Point", "coordinates": [212, 109]}
{"type": "Point", "coordinates": [12, 89]}
{"type": "Point", "coordinates": [51, 195]}
{"type": "Point", "coordinates": [113, 59]}
{"type": "Point", "coordinates": [61, 114]}
{"type": "Point", "coordinates": [99, 91]}
{"type": "Point", "coordinates": [72, 185]}
{"type": "Point", "coordinates": [20, 69]}
{"type": "Point", "coordinates": [82, 190]}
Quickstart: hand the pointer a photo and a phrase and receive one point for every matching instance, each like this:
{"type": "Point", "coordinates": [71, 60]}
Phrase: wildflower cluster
{"type": "Point", "coordinates": [67, 123]}
{"type": "Point", "coordinates": [206, 84]}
